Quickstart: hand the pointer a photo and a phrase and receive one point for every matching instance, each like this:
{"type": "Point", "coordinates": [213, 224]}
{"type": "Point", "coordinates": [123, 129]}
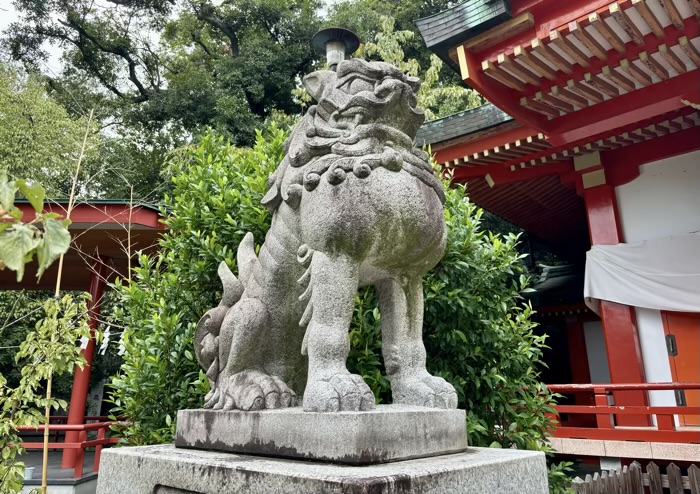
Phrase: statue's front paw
{"type": "Point", "coordinates": [424, 390]}
{"type": "Point", "coordinates": [249, 390]}
{"type": "Point", "coordinates": [339, 392]}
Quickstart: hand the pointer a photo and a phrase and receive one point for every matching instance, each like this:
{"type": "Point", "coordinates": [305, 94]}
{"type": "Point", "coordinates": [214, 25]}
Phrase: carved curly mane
{"type": "Point", "coordinates": [365, 117]}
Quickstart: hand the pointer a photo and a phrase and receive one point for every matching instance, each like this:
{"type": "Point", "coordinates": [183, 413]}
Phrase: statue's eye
{"type": "Point", "coordinates": [358, 85]}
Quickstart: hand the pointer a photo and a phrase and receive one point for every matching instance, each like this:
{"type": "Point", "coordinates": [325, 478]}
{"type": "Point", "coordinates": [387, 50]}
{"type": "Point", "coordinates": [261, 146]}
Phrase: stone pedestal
{"type": "Point", "coordinates": [165, 469]}
{"type": "Point", "coordinates": [388, 433]}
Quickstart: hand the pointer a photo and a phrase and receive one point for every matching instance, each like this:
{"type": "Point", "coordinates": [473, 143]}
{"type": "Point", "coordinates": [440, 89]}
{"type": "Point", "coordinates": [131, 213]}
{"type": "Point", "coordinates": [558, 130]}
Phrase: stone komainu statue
{"type": "Point", "coordinates": [354, 204]}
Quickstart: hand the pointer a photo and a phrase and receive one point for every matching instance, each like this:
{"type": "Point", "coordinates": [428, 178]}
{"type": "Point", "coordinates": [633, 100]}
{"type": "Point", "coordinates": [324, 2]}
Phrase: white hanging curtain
{"type": "Point", "coordinates": [662, 273]}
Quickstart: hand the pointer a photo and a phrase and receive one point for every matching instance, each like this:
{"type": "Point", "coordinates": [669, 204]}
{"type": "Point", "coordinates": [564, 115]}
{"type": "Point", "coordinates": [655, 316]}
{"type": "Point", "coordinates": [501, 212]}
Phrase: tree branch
{"type": "Point", "coordinates": [118, 51]}
{"type": "Point", "coordinates": [87, 56]}
{"type": "Point", "coordinates": [207, 15]}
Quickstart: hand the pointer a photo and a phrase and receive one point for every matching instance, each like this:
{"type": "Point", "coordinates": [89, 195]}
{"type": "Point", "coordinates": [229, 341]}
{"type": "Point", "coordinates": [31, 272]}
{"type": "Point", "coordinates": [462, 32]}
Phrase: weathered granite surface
{"type": "Point", "coordinates": [354, 203]}
{"type": "Point", "coordinates": [167, 470]}
{"type": "Point", "coordinates": [388, 433]}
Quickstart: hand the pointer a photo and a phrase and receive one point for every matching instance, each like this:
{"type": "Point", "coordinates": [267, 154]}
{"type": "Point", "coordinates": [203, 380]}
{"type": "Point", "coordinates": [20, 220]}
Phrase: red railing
{"type": "Point", "coordinates": [604, 424]}
{"type": "Point", "coordinates": [81, 445]}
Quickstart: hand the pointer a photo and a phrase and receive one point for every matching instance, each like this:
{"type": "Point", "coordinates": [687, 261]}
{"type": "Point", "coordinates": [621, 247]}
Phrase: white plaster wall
{"type": "Point", "coordinates": [596, 352]}
{"type": "Point", "coordinates": [664, 200]}
{"type": "Point", "coordinates": [656, 364]}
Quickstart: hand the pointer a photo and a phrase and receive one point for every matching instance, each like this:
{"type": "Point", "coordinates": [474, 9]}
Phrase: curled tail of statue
{"type": "Point", "coordinates": [206, 337]}
{"type": "Point", "coordinates": [305, 257]}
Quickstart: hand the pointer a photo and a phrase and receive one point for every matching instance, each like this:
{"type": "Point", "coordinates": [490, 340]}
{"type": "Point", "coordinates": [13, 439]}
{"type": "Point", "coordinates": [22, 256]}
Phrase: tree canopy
{"type": "Point", "coordinates": [188, 64]}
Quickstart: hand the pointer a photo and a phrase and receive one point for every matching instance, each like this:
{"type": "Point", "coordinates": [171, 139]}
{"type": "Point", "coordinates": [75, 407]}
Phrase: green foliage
{"type": "Point", "coordinates": [50, 350]}
{"type": "Point", "coordinates": [217, 190]}
{"type": "Point", "coordinates": [19, 241]}
{"type": "Point", "coordinates": [437, 99]}
{"type": "Point", "coordinates": [560, 477]}
{"type": "Point", "coordinates": [38, 138]}
{"type": "Point", "coordinates": [176, 65]}
{"type": "Point", "coordinates": [365, 17]}
{"type": "Point", "coordinates": [478, 333]}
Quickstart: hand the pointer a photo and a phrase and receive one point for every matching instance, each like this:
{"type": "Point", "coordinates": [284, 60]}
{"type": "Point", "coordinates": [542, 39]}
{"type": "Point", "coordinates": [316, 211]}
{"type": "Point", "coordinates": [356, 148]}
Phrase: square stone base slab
{"type": "Point", "coordinates": [388, 433]}
{"type": "Point", "coordinates": [165, 469]}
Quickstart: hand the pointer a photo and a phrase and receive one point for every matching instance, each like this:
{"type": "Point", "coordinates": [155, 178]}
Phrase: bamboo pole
{"type": "Point", "coordinates": [71, 202]}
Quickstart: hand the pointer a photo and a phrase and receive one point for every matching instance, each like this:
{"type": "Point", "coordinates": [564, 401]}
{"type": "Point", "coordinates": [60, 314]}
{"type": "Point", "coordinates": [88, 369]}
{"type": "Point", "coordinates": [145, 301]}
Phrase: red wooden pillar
{"type": "Point", "coordinates": [578, 358]}
{"type": "Point", "coordinates": [619, 321]}
{"type": "Point", "coordinates": [580, 373]}
{"type": "Point", "coordinates": [81, 378]}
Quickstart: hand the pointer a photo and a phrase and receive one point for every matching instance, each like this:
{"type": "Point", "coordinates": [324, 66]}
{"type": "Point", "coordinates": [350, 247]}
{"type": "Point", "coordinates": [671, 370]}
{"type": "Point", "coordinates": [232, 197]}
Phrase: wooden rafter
{"type": "Point", "coordinates": [624, 21]}
{"type": "Point", "coordinates": [601, 85]}
{"type": "Point", "coordinates": [585, 91]}
{"type": "Point", "coordinates": [631, 68]}
{"type": "Point", "coordinates": [548, 54]}
{"type": "Point", "coordinates": [554, 102]}
{"type": "Point", "coordinates": [539, 107]}
{"type": "Point", "coordinates": [606, 32]}
{"type": "Point", "coordinates": [672, 59]}
{"type": "Point", "coordinates": [514, 67]}
{"type": "Point", "coordinates": [501, 76]}
{"type": "Point", "coordinates": [569, 96]}
{"type": "Point", "coordinates": [695, 5]}
{"type": "Point", "coordinates": [653, 65]}
{"type": "Point", "coordinates": [670, 9]}
{"type": "Point", "coordinates": [588, 41]}
{"type": "Point", "coordinates": [559, 40]}
{"type": "Point", "coordinates": [649, 18]}
{"type": "Point", "coordinates": [619, 79]}
{"type": "Point", "coordinates": [534, 63]}
{"type": "Point", "coordinates": [690, 50]}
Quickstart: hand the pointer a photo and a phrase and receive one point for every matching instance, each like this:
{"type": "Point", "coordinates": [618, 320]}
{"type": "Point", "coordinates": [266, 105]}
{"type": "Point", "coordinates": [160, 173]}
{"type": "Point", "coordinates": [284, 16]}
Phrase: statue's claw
{"type": "Point", "coordinates": [426, 390]}
{"type": "Point", "coordinates": [250, 390]}
{"type": "Point", "coordinates": [211, 398]}
{"type": "Point", "coordinates": [339, 392]}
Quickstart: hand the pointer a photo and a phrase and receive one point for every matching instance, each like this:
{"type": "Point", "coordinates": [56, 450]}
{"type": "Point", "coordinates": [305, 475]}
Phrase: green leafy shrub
{"type": "Point", "coordinates": [217, 191]}
{"type": "Point", "coordinates": [478, 331]}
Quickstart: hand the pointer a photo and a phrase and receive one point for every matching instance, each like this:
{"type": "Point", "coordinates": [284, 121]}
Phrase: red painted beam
{"type": "Point", "coordinates": [500, 175]}
{"type": "Point", "coordinates": [602, 135]}
{"type": "Point", "coordinates": [627, 109]}
{"type": "Point", "coordinates": [467, 149]}
{"type": "Point", "coordinates": [95, 213]}
{"type": "Point", "coordinates": [648, 435]}
{"type": "Point", "coordinates": [668, 146]}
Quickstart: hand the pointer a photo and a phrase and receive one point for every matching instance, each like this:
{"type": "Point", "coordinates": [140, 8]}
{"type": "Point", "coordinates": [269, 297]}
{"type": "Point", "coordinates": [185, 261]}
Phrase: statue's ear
{"type": "Point", "coordinates": [413, 82]}
{"type": "Point", "coordinates": [317, 81]}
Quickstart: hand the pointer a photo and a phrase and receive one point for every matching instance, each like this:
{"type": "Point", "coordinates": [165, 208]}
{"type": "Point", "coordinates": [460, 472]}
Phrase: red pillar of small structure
{"type": "Point", "coordinates": [81, 378]}
{"type": "Point", "coordinates": [619, 321]}
{"type": "Point", "coordinates": [580, 373]}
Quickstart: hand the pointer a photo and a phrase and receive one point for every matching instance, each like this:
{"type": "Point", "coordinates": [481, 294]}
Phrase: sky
{"type": "Point", "coordinates": [8, 15]}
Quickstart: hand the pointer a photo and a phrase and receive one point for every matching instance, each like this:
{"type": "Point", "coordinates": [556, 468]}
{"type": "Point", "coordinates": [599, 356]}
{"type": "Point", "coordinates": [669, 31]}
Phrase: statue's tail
{"type": "Point", "coordinates": [208, 328]}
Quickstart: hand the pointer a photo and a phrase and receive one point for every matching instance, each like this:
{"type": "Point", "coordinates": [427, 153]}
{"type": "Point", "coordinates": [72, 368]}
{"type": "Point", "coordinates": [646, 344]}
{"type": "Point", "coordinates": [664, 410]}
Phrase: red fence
{"type": "Point", "coordinates": [81, 445]}
{"type": "Point", "coordinates": [604, 413]}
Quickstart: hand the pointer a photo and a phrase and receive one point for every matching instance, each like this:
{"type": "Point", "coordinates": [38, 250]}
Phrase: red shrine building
{"type": "Point", "coordinates": [106, 235]}
{"type": "Point", "coordinates": [590, 142]}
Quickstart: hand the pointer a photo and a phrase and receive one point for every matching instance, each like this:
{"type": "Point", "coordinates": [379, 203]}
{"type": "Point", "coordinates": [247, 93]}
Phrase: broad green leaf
{"type": "Point", "coordinates": [55, 242]}
{"type": "Point", "coordinates": [16, 244]}
{"type": "Point", "coordinates": [7, 192]}
{"type": "Point", "coordinates": [34, 193]}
